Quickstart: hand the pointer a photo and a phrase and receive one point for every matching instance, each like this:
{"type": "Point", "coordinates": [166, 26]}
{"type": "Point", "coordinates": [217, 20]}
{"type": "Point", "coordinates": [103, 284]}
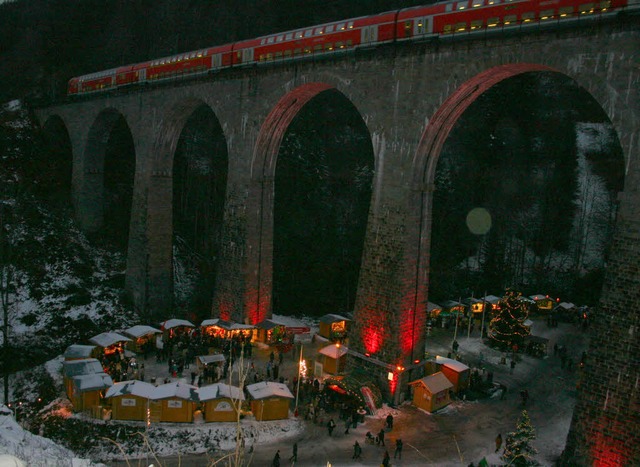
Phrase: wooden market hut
{"type": "Point", "coordinates": [71, 368]}
{"type": "Point", "coordinates": [129, 400]}
{"type": "Point", "coordinates": [431, 393]}
{"type": "Point", "coordinates": [270, 400]}
{"type": "Point", "coordinates": [177, 400]}
{"type": "Point", "coordinates": [543, 303]}
{"type": "Point", "coordinates": [81, 352]}
{"type": "Point", "coordinates": [110, 342]}
{"type": "Point", "coordinates": [333, 358]}
{"type": "Point", "coordinates": [175, 327]}
{"type": "Point", "coordinates": [433, 310]}
{"type": "Point", "coordinates": [87, 392]}
{"type": "Point", "coordinates": [220, 402]}
{"type": "Point", "coordinates": [270, 332]}
{"type": "Point", "coordinates": [457, 372]}
{"type": "Point", "coordinates": [334, 327]}
{"type": "Point", "coordinates": [476, 305]}
{"type": "Point", "coordinates": [143, 338]}
{"type": "Point", "coordinates": [210, 366]}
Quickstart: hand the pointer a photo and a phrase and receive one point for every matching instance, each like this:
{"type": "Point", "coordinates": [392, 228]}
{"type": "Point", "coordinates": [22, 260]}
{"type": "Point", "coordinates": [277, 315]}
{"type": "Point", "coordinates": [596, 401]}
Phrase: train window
{"type": "Point", "coordinates": [510, 19]}
{"type": "Point", "coordinates": [460, 27]}
{"type": "Point", "coordinates": [476, 24]}
{"type": "Point", "coordinates": [477, 3]}
{"type": "Point", "coordinates": [566, 11]}
{"type": "Point", "coordinates": [287, 53]}
{"type": "Point", "coordinates": [328, 46]}
{"type": "Point", "coordinates": [493, 22]}
{"type": "Point", "coordinates": [546, 14]}
{"type": "Point", "coordinates": [447, 29]}
{"type": "Point", "coordinates": [288, 37]}
{"type": "Point", "coordinates": [349, 43]}
{"type": "Point", "coordinates": [299, 35]}
{"type": "Point", "coordinates": [278, 54]}
{"type": "Point", "coordinates": [307, 50]}
{"type": "Point", "coordinates": [340, 27]}
{"type": "Point", "coordinates": [350, 26]}
{"type": "Point", "coordinates": [329, 28]}
{"type": "Point", "coordinates": [262, 42]}
{"type": "Point", "coordinates": [586, 8]}
{"type": "Point", "coordinates": [492, 2]}
{"type": "Point", "coordinates": [199, 54]}
{"type": "Point", "coordinates": [297, 51]}
{"type": "Point", "coordinates": [604, 6]}
{"type": "Point", "coordinates": [527, 17]}
{"type": "Point", "coordinates": [317, 48]}
{"type": "Point", "coordinates": [339, 45]}
{"type": "Point", "coordinates": [270, 40]}
{"type": "Point", "coordinates": [279, 38]}
{"type": "Point", "coordinates": [318, 31]}
{"type": "Point", "coordinates": [308, 33]}
{"type": "Point", "coordinates": [461, 5]}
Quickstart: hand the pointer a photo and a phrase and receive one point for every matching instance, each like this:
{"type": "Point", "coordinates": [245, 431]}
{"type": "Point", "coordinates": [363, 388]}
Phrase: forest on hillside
{"type": "Point", "coordinates": [43, 43]}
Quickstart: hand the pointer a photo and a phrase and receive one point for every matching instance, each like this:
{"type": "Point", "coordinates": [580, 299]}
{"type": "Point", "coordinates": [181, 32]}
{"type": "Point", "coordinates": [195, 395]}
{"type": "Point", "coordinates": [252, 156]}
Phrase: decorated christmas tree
{"type": "Point", "coordinates": [517, 449]}
{"type": "Point", "coordinates": [507, 328]}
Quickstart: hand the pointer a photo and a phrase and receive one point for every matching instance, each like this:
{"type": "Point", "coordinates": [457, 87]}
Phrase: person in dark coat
{"type": "Point", "coordinates": [357, 450]}
{"type": "Point", "coordinates": [398, 451]}
{"type": "Point", "coordinates": [386, 460]}
{"type": "Point", "coordinates": [381, 437]}
{"type": "Point", "coordinates": [330, 426]}
{"type": "Point", "coordinates": [294, 456]}
{"type": "Point", "coordinates": [276, 459]}
{"type": "Point", "coordinates": [390, 421]}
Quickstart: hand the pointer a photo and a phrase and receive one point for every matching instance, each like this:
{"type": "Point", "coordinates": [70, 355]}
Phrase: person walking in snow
{"type": "Point", "coordinates": [357, 450]}
{"type": "Point", "coordinates": [276, 459]}
{"type": "Point", "coordinates": [330, 426]}
{"type": "Point", "coordinates": [498, 442]}
{"type": "Point", "coordinates": [381, 437]}
{"type": "Point", "coordinates": [398, 451]}
{"type": "Point", "coordinates": [294, 456]}
{"type": "Point", "coordinates": [386, 460]}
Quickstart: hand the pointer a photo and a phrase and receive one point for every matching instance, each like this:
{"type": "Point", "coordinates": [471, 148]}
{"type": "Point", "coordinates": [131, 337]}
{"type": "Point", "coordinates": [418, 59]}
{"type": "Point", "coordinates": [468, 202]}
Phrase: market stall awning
{"type": "Point", "coordinates": [107, 339]}
{"type": "Point", "coordinates": [334, 351]}
{"type": "Point", "coordinates": [176, 323]}
{"type": "Point", "coordinates": [141, 330]}
{"type": "Point", "coordinates": [215, 358]}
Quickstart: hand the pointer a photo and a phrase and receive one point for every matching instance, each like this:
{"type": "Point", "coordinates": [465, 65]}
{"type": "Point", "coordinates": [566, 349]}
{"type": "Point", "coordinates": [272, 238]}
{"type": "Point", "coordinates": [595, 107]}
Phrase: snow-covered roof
{"type": "Point", "coordinates": [141, 330]}
{"type": "Point", "coordinates": [528, 323]}
{"type": "Point", "coordinates": [134, 388]}
{"type": "Point", "coordinates": [268, 324]}
{"type": "Point", "coordinates": [92, 382]}
{"type": "Point", "coordinates": [566, 305]}
{"type": "Point", "coordinates": [452, 304]}
{"type": "Point", "coordinates": [175, 389]}
{"type": "Point", "coordinates": [85, 366]}
{"type": "Point", "coordinates": [491, 299]}
{"type": "Point", "coordinates": [265, 389]}
{"type": "Point", "coordinates": [451, 363]}
{"type": "Point", "coordinates": [334, 351]}
{"type": "Point", "coordinates": [107, 339]}
{"type": "Point", "coordinates": [175, 323]}
{"type": "Point", "coordinates": [210, 322]}
{"type": "Point", "coordinates": [219, 390]}
{"type": "Point", "coordinates": [436, 382]}
{"type": "Point", "coordinates": [206, 359]}
{"type": "Point", "coordinates": [332, 318]}
{"type": "Point", "coordinates": [433, 306]}
{"type": "Point", "coordinates": [537, 297]}
{"type": "Point", "coordinates": [79, 351]}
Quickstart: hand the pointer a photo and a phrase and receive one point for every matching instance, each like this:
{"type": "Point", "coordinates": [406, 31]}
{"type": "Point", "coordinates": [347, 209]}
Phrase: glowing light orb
{"type": "Point", "coordinates": [479, 221]}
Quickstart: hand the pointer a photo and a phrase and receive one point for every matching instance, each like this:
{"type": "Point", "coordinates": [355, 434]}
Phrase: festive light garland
{"type": "Point", "coordinates": [507, 326]}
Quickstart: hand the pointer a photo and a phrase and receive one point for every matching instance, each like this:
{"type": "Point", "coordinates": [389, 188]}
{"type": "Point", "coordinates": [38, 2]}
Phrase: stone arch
{"type": "Point", "coordinates": [158, 224]}
{"type": "Point", "coordinates": [89, 185]}
{"type": "Point", "coordinates": [258, 292]}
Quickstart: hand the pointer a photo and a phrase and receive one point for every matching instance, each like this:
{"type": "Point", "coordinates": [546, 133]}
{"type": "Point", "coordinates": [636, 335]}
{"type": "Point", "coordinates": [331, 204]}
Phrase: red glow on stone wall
{"type": "Point", "coordinates": [372, 337]}
{"type": "Point", "coordinates": [224, 311]}
{"type": "Point", "coordinates": [608, 451]}
{"type": "Point", "coordinates": [393, 383]}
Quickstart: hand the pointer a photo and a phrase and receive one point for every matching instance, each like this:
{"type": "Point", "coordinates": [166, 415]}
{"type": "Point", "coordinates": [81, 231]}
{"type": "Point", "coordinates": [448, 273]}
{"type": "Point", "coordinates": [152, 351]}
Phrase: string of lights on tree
{"type": "Point", "coordinates": [507, 327]}
{"type": "Point", "coordinates": [517, 449]}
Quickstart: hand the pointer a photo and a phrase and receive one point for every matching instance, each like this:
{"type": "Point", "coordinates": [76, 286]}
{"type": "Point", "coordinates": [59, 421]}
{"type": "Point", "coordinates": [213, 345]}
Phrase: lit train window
{"type": "Point", "coordinates": [461, 27]}
{"type": "Point", "coordinates": [318, 31]}
{"type": "Point", "coordinates": [566, 11]}
{"type": "Point", "coordinates": [510, 19]}
{"type": "Point", "coordinates": [461, 5]}
{"type": "Point", "coordinates": [340, 45]}
{"type": "Point", "coordinates": [287, 53]}
{"type": "Point", "coordinates": [527, 17]}
{"type": "Point", "coordinates": [329, 28]}
{"type": "Point", "coordinates": [604, 6]}
{"type": "Point", "coordinates": [421, 26]}
{"type": "Point", "coordinates": [299, 35]}
{"type": "Point", "coordinates": [546, 14]}
{"type": "Point", "coordinates": [288, 37]}
{"type": "Point", "coordinates": [340, 27]}
{"type": "Point", "coordinates": [493, 22]}
{"type": "Point", "coordinates": [307, 50]}
{"type": "Point", "coordinates": [449, 7]}
{"type": "Point", "coordinates": [477, 3]}
{"type": "Point", "coordinates": [279, 38]}
{"type": "Point", "coordinates": [317, 48]}
{"type": "Point", "coordinates": [350, 26]}
{"type": "Point", "coordinates": [199, 54]}
{"type": "Point", "coordinates": [586, 8]}
{"type": "Point", "coordinates": [328, 46]}
{"type": "Point", "coordinates": [477, 24]}
{"type": "Point", "coordinates": [308, 33]}
{"type": "Point", "coordinates": [447, 29]}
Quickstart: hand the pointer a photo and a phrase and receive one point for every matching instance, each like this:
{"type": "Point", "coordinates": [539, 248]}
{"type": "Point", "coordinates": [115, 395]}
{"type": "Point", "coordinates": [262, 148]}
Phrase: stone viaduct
{"type": "Point", "coordinates": [410, 97]}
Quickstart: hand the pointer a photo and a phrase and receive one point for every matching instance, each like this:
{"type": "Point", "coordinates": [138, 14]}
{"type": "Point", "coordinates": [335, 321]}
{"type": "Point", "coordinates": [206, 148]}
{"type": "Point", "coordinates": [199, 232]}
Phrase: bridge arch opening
{"type": "Point", "coordinates": [200, 170]}
{"type": "Point", "coordinates": [57, 162]}
{"type": "Point", "coordinates": [315, 161]}
{"type": "Point", "coordinates": [538, 154]}
{"type": "Point", "coordinates": [104, 199]}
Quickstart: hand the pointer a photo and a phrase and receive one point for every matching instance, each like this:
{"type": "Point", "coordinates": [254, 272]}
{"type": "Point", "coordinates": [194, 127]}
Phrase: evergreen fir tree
{"type": "Point", "coordinates": [517, 449]}
{"type": "Point", "coordinates": [507, 327]}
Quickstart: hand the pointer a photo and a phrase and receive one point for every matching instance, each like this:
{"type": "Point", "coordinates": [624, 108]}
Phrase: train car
{"type": "Point", "coordinates": [189, 63]}
{"type": "Point", "coordinates": [94, 82]}
{"type": "Point", "coordinates": [467, 16]}
{"type": "Point", "coordinates": [315, 40]}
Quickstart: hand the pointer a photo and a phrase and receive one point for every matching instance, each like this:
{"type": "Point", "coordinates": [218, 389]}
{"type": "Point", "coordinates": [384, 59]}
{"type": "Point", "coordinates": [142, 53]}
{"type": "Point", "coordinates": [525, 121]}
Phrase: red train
{"type": "Point", "coordinates": [445, 19]}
